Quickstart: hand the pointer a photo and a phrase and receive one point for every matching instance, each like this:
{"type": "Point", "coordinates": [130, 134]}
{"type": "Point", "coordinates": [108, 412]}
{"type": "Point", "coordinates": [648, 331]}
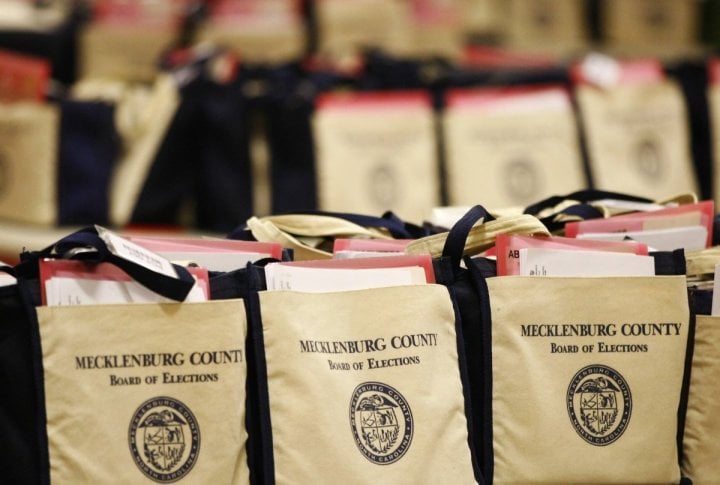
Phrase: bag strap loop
{"type": "Point", "coordinates": [457, 236]}
{"type": "Point", "coordinates": [85, 244]}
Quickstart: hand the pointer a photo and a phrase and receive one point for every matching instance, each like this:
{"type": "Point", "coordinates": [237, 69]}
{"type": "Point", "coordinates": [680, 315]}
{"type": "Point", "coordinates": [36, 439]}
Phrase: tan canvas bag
{"type": "Point", "coordinates": [650, 27]}
{"type": "Point", "coordinates": [551, 25]}
{"type": "Point", "coordinates": [511, 157]}
{"type": "Point", "coordinates": [701, 447]}
{"type": "Point", "coordinates": [260, 31]}
{"type": "Point", "coordinates": [364, 387]}
{"type": "Point", "coordinates": [713, 95]}
{"type": "Point", "coordinates": [145, 393]}
{"type": "Point", "coordinates": [586, 378]}
{"type": "Point", "coordinates": [28, 162]}
{"type": "Point", "coordinates": [637, 138]}
{"type": "Point", "coordinates": [377, 153]}
{"type": "Point", "coordinates": [346, 27]}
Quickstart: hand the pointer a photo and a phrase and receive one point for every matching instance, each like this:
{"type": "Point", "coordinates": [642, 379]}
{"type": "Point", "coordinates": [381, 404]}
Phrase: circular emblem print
{"type": "Point", "coordinates": [381, 422]}
{"type": "Point", "coordinates": [599, 404]}
{"type": "Point", "coordinates": [383, 186]}
{"type": "Point", "coordinates": [522, 181]}
{"type": "Point", "coordinates": [164, 439]}
{"type": "Point", "coordinates": [649, 159]}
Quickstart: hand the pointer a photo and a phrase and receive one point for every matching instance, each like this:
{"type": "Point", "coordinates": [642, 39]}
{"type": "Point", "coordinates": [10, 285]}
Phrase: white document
{"type": "Point", "coordinates": [560, 262]}
{"type": "Point", "coordinates": [447, 216]}
{"type": "Point", "coordinates": [7, 280]}
{"type": "Point", "coordinates": [60, 291]}
{"type": "Point", "coordinates": [350, 254]}
{"type": "Point", "coordinates": [690, 238]}
{"type": "Point", "coordinates": [322, 280]}
{"type": "Point", "coordinates": [715, 309]}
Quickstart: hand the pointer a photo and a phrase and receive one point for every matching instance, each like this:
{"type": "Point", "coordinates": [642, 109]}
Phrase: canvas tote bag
{"type": "Point", "coordinates": [700, 442]}
{"type": "Point", "coordinates": [28, 191]}
{"type": "Point", "coordinates": [637, 138]}
{"type": "Point", "coordinates": [137, 393]}
{"type": "Point", "coordinates": [364, 386]}
{"type": "Point", "coordinates": [586, 378]}
{"type": "Point", "coordinates": [512, 145]}
{"type": "Point", "coordinates": [145, 393]}
{"type": "Point", "coordinates": [701, 446]}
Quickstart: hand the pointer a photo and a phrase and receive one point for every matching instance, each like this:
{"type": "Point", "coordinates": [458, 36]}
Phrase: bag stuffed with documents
{"type": "Point", "coordinates": [140, 392]}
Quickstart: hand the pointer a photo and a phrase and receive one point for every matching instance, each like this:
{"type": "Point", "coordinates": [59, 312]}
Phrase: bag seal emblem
{"type": "Point", "coordinates": [599, 403]}
{"type": "Point", "coordinates": [381, 422]}
{"type": "Point", "coordinates": [164, 439]}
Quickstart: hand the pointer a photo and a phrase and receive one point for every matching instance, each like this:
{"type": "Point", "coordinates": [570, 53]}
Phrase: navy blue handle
{"type": "Point", "coordinates": [457, 236]}
{"type": "Point", "coordinates": [582, 196]}
{"type": "Point", "coordinates": [87, 245]}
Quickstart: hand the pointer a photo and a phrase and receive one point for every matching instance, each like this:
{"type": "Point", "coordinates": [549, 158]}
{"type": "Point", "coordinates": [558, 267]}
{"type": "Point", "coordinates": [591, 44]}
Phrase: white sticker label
{"type": "Point", "coordinates": [130, 251]}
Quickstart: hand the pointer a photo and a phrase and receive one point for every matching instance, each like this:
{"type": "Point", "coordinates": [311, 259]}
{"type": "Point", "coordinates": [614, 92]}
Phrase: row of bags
{"type": "Point", "coordinates": [121, 39]}
{"type": "Point", "coordinates": [474, 379]}
{"type": "Point", "coordinates": [211, 154]}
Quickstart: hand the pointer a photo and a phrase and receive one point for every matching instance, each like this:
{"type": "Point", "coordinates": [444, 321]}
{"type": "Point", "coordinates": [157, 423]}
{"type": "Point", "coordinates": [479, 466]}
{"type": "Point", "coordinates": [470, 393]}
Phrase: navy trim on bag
{"type": "Point", "coordinates": [467, 292]}
{"type": "Point", "coordinates": [473, 434]}
{"type": "Point", "coordinates": [39, 381]}
{"type": "Point", "coordinates": [685, 389]}
{"type": "Point", "coordinates": [669, 263]}
{"type": "Point", "coordinates": [19, 454]}
{"type": "Point", "coordinates": [583, 196]}
{"type": "Point", "coordinates": [258, 398]}
{"type": "Point", "coordinates": [480, 269]}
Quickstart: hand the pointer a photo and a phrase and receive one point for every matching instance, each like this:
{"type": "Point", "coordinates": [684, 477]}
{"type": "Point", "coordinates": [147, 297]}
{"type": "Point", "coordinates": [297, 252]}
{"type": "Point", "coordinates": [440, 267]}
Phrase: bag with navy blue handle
{"type": "Point", "coordinates": [584, 377]}
{"type": "Point", "coordinates": [363, 386]}
{"type": "Point", "coordinates": [158, 387]}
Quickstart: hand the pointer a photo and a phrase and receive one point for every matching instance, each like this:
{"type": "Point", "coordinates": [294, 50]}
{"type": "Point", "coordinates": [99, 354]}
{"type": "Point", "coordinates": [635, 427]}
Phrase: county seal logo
{"type": "Point", "coordinates": [599, 403]}
{"type": "Point", "coordinates": [164, 439]}
{"type": "Point", "coordinates": [381, 422]}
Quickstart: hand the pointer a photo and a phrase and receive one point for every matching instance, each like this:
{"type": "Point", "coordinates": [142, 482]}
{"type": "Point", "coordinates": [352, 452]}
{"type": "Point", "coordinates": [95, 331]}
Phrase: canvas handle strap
{"type": "Point", "coordinates": [87, 245]}
{"type": "Point", "coordinates": [389, 222]}
{"type": "Point", "coordinates": [264, 230]}
{"type": "Point", "coordinates": [467, 237]}
{"type": "Point", "coordinates": [318, 225]}
{"type": "Point", "coordinates": [702, 262]}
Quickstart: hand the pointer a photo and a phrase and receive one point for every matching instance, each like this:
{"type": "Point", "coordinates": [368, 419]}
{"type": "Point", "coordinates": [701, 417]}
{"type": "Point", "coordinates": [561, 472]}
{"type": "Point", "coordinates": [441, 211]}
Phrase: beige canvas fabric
{"type": "Point", "coordinates": [125, 52]}
{"type": "Point", "coordinates": [480, 237]}
{"type": "Point", "coordinates": [364, 387]}
{"type": "Point", "coordinates": [505, 159]}
{"type": "Point", "coordinates": [145, 393]}
{"type": "Point", "coordinates": [551, 25]}
{"type": "Point", "coordinates": [701, 446]}
{"type": "Point", "coordinates": [650, 25]}
{"type": "Point", "coordinates": [373, 160]}
{"type": "Point", "coordinates": [587, 376]}
{"type": "Point", "coordinates": [638, 140]}
{"type": "Point", "coordinates": [272, 32]}
{"type": "Point", "coordinates": [302, 232]}
{"type": "Point", "coordinates": [28, 162]}
{"type": "Point", "coordinates": [713, 95]}
{"type": "Point", "coordinates": [346, 27]}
